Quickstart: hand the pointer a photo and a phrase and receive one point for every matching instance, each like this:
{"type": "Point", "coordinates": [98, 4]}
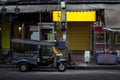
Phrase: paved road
{"type": "Point", "coordinates": [13, 74]}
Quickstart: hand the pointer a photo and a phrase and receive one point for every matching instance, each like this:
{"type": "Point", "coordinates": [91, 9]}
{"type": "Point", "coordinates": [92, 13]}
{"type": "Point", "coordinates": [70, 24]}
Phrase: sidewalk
{"type": "Point", "coordinates": [78, 66]}
{"type": "Point", "coordinates": [94, 66]}
{"type": "Point", "coordinates": [7, 66]}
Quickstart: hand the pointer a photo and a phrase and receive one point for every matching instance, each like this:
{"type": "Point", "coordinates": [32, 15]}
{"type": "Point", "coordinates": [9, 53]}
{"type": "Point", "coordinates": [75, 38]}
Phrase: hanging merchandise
{"type": "Point", "coordinates": [103, 46]}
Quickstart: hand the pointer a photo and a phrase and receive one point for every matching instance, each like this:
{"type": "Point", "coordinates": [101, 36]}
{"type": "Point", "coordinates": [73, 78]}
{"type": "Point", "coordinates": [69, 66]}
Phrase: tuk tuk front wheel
{"type": "Point", "coordinates": [61, 67]}
{"type": "Point", "coordinates": [23, 67]}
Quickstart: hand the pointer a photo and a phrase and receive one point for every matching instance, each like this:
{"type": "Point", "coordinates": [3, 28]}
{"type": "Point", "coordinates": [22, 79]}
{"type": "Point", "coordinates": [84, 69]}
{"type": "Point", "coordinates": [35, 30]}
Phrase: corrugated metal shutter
{"type": "Point", "coordinates": [78, 36]}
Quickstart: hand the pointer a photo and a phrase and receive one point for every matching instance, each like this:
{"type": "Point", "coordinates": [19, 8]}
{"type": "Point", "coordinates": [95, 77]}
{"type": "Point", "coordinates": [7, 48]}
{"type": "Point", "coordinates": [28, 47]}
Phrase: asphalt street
{"type": "Point", "coordinates": [14, 74]}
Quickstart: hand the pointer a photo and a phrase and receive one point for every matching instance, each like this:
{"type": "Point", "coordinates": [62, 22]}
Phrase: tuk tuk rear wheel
{"type": "Point", "coordinates": [61, 67]}
{"type": "Point", "coordinates": [23, 67]}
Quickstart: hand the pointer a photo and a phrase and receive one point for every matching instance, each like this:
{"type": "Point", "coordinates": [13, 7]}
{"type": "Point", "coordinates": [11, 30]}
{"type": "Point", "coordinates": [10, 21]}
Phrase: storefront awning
{"type": "Point", "coordinates": [112, 19]}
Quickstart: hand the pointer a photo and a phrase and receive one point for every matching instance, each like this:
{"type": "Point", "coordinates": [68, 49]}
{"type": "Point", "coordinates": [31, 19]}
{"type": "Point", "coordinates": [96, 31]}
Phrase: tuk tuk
{"type": "Point", "coordinates": [46, 55]}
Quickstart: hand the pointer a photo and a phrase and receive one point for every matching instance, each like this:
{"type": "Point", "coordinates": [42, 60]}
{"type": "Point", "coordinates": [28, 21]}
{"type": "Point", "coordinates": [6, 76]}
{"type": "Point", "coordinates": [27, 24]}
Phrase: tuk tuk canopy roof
{"type": "Point", "coordinates": [32, 42]}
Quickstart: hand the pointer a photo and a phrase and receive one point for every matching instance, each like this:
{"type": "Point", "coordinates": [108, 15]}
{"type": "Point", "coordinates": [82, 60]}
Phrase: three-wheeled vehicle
{"type": "Point", "coordinates": [45, 56]}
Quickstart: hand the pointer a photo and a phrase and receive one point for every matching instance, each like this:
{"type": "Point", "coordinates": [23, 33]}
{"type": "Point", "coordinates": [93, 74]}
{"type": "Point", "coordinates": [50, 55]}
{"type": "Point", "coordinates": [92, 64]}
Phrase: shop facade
{"type": "Point", "coordinates": [79, 25]}
{"type": "Point", "coordinates": [80, 33]}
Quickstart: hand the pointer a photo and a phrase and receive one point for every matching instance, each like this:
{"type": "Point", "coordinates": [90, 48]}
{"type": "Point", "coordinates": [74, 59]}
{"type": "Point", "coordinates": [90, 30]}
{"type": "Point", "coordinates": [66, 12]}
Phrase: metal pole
{"type": "Point", "coordinates": [64, 26]}
{"type": "Point", "coordinates": [22, 30]}
{"type": "Point", "coordinates": [105, 45]}
{"type": "Point", "coordinates": [40, 26]}
{"type": "Point", "coordinates": [105, 40]}
{"type": "Point", "coordinates": [64, 21]}
{"type": "Point", "coordinates": [10, 18]}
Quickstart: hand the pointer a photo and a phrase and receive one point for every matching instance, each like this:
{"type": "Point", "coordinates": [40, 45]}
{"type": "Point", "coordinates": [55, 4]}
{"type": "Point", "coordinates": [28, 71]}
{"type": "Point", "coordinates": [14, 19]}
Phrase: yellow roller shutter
{"type": "Point", "coordinates": [78, 36]}
{"type": "Point", "coordinates": [5, 34]}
